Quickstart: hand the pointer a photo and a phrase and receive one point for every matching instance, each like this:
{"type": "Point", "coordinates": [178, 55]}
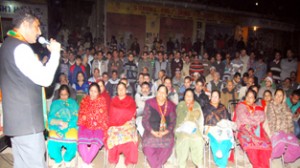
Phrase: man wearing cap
{"type": "Point", "coordinates": [209, 77]}
{"type": "Point", "coordinates": [267, 85]}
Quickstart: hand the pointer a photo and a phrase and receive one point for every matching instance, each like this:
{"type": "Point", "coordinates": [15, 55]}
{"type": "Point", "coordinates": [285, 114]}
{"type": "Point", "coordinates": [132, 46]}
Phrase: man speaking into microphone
{"type": "Point", "coordinates": [22, 76]}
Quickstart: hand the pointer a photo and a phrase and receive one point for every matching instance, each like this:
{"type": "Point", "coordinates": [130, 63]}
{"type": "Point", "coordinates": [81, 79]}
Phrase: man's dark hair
{"type": "Point", "coordinates": [296, 93]}
{"type": "Point", "coordinates": [114, 71]}
{"type": "Point", "coordinates": [22, 15]}
{"type": "Point", "coordinates": [146, 83]}
{"type": "Point", "coordinates": [237, 74]}
{"type": "Point", "coordinates": [251, 69]}
{"type": "Point", "coordinates": [98, 52]}
{"type": "Point", "coordinates": [246, 74]}
{"type": "Point", "coordinates": [188, 77]}
{"type": "Point", "coordinates": [104, 73]}
{"type": "Point", "coordinates": [146, 74]}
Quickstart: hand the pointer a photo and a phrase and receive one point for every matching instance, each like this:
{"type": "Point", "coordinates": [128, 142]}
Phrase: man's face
{"type": "Point", "coordinates": [63, 80]}
{"type": "Point", "coordinates": [216, 77]}
{"type": "Point", "coordinates": [160, 56]}
{"type": "Point", "coordinates": [219, 57]}
{"type": "Point", "coordinates": [130, 57]}
{"type": "Point", "coordinates": [71, 57]}
{"type": "Point", "coordinates": [105, 78]}
{"type": "Point", "coordinates": [115, 54]}
{"type": "Point", "coordinates": [294, 99]}
{"type": "Point", "coordinates": [250, 81]}
{"type": "Point", "coordinates": [146, 79]}
{"type": "Point", "coordinates": [121, 54]}
{"type": "Point", "coordinates": [243, 52]}
{"type": "Point", "coordinates": [78, 61]}
{"type": "Point", "coordinates": [114, 75]}
{"type": "Point", "coordinates": [96, 73]}
{"type": "Point", "coordinates": [145, 90]}
{"type": "Point", "coordinates": [168, 84]}
{"type": "Point", "coordinates": [178, 74]}
{"type": "Point", "coordinates": [145, 56]}
{"type": "Point", "coordinates": [237, 79]}
{"type": "Point", "coordinates": [289, 54]}
{"type": "Point", "coordinates": [187, 83]}
{"type": "Point", "coordinates": [251, 73]}
{"type": "Point", "coordinates": [199, 86]}
{"type": "Point", "coordinates": [277, 56]}
{"type": "Point", "coordinates": [177, 56]}
{"type": "Point", "coordinates": [187, 59]}
{"type": "Point", "coordinates": [252, 55]}
{"type": "Point", "coordinates": [31, 31]}
{"type": "Point", "coordinates": [99, 56]}
{"type": "Point", "coordinates": [205, 55]}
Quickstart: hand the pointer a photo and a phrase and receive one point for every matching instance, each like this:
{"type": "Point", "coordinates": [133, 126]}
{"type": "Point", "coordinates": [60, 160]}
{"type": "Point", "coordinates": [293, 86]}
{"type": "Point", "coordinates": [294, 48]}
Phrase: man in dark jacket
{"type": "Point", "coordinates": [199, 93]}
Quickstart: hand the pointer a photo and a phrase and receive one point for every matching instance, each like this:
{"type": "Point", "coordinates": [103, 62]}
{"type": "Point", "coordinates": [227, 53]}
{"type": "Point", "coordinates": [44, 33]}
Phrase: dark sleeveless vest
{"type": "Point", "coordinates": [216, 87]}
{"type": "Point", "coordinates": [22, 99]}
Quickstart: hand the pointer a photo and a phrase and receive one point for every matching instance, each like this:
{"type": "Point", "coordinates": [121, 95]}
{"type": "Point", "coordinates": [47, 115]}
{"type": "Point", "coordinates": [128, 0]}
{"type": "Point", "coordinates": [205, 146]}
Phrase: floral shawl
{"type": "Point", "coordinates": [249, 121]}
{"type": "Point", "coordinates": [93, 113]}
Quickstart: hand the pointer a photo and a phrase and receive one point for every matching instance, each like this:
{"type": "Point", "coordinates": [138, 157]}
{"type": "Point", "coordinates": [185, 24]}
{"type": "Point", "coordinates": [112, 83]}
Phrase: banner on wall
{"type": "Point", "coordinates": [8, 8]}
{"type": "Point", "coordinates": [165, 11]}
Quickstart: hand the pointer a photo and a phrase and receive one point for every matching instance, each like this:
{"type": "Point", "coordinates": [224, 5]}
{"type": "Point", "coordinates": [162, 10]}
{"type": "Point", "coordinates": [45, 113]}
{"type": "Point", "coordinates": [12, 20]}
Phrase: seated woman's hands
{"type": "Point", "coordinates": [159, 134]}
{"type": "Point", "coordinates": [63, 125]}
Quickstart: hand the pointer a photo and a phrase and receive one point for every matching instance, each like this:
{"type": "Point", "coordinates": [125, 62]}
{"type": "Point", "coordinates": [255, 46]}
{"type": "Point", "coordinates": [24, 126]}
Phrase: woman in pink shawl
{"type": "Point", "coordinates": [280, 121]}
{"type": "Point", "coordinates": [253, 138]}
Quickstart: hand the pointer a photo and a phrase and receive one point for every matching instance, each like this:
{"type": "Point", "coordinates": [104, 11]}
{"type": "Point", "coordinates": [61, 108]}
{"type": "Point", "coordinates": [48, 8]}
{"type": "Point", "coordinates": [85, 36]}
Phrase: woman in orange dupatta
{"type": "Point", "coordinates": [251, 135]}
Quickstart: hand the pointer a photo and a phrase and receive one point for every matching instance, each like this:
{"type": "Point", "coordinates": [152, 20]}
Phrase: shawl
{"type": "Point", "coordinates": [121, 111]}
{"type": "Point", "coordinates": [213, 115]}
{"type": "Point", "coordinates": [244, 117]}
{"type": "Point", "coordinates": [66, 111]}
{"type": "Point", "coordinates": [150, 122]}
{"type": "Point", "coordinates": [93, 113]}
{"type": "Point", "coordinates": [153, 103]}
{"type": "Point", "coordinates": [183, 115]}
{"type": "Point", "coordinates": [251, 133]}
{"type": "Point", "coordinates": [279, 118]}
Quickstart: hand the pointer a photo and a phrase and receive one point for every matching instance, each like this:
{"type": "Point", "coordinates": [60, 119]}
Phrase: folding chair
{"type": "Point", "coordinates": [231, 106]}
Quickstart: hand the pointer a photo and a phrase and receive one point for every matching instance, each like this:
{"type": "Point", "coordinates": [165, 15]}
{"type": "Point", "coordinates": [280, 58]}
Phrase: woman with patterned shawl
{"type": "Point", "coordinates": [251, 135]}
{"type": "Point", "coordinates": [159, 122]}
{"type": "Point", "coordinates": [189, 131]}
{"type": "Point", "coordinates": [280, 120]}
{"type": "Point", "coordinates": [92, 122]}
{"type": "Point", "coordinates": [62, 121]}
{"type": "Point", "coordinates": [220, 137]}
{"type": "Point", "coordinates": [122, 133]}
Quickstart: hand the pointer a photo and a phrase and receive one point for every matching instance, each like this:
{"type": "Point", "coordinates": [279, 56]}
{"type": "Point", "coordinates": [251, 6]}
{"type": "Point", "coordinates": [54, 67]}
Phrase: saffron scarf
{"type": "Point", "coordinates": [15, 34]}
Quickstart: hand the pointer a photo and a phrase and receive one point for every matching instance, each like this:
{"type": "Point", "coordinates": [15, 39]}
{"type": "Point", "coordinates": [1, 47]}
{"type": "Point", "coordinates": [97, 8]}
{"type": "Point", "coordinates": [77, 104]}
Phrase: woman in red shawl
{"type": "Point", "coordinates": [92, 122]}
{"type": "Point", "coordinates": [122, 133]}
{"type": "Point", "coordinates": [253, 138]}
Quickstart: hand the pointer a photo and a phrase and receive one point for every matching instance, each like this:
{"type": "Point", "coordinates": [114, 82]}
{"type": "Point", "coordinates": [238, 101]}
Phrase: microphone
{"type": "Point", "coordinates": [43, 41]}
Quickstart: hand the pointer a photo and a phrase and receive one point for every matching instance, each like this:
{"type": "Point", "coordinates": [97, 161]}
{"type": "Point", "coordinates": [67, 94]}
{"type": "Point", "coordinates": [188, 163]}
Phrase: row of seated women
{"type": "Point", "coordinates": [101, 121]}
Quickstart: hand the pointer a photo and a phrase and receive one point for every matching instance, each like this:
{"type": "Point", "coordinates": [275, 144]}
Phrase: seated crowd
{"type": "Point", "coordinates": [178, 100]}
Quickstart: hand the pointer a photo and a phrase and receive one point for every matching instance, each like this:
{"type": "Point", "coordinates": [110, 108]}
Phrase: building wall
{"type": "Point", "coordinates": [7, 11]}
{"type": "Point", "coordinates": [121, 25]}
